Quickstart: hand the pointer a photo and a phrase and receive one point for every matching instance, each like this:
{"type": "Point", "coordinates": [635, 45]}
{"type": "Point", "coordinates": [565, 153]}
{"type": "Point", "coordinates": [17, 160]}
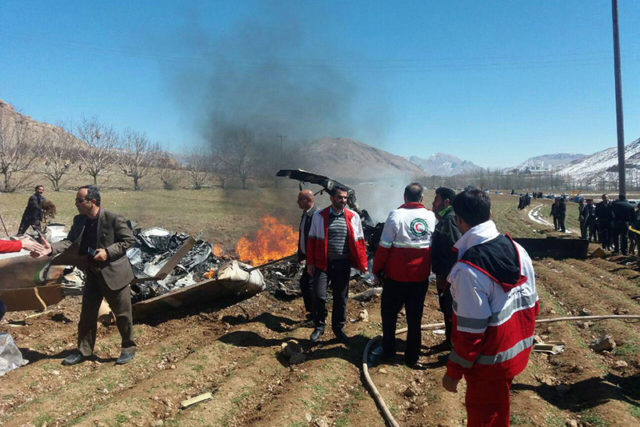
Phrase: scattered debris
{"type": "Point", "coordinates": [620, 310]}
{"type": "Point", "coordinates": [585, 325]}
{"type": "Point", "coordinates": [439, 332]}
{"type": "Point", "coordinates": [547, 379]}
{"type": "Point", "coordinates": [190, 402]}
{"type": "Point", "coordinates": [585, 312]}
{"type": "Point", "coordinates": [410, 392]}
{"type": "Point", "coordinates": [367, 295]}
{"type": "Point", "coordinates": [10, 356]}
{"type": "Point", "coordinates": [363, 315]}
{"type": "Point", "coordinates": [599, 253]}
{"type": "Point", "coordinates": [549, 347]}
{"type": "Point", "coordinates": [571, 423]}
{"type": "Point", "coordinates": [292, 350]}
{"type": "Point", "coordinates": [603, 343]}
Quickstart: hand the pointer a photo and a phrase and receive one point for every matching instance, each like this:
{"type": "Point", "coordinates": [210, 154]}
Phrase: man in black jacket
{"type": "Point", "coordinates": [443, 256]}
{"type": "Point", "coordinates": [622, 217]}
{"type": "Point", "coordinates": [590, 220]}
{"type": "Point", "coordinates": [306, 203]}
{"type": "Point", "coordinates": [32, 215]}
{"type": "Point", "coordinates": [604, 218]}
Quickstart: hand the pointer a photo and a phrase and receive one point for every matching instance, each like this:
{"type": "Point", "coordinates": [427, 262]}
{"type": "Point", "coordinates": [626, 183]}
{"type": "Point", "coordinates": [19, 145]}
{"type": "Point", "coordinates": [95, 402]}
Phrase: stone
{"type": "Point", "coordinates": [364, 315]}
{"type": "Point", "coordinates": [571, 423]}
{"type": "Point", "coordinates": [585, 312]}
{"type": "Point", "coordinates": [603, 343]}
{"type": "Point", "coordinates": [382, 371]}
{"type": "Point", "coordinates": [599, 253]}
{"type": "Point", "coordinates": [410, 392]}
{"type": "Point", "coordinates": [321, 422]}
{"type": "Point", "coordinates": [620, 311]}
{"type": "Point", "coordinates": [621, 364]}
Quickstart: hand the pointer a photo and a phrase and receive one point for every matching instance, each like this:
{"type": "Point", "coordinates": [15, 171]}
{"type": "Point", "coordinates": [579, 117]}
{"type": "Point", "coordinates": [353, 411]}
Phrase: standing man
{"type": "Point", "coordinates": [554, 212]}
{"type": "Point", "coordinates": [582, 218]}
{"type": "Point", "coordinates": [102, 238]}
{"type": "Point", "coordinates": [335, 244]}
{"type": "Point", "coordinates": [604, 216]}
{"type": "Point", "coordinates": [32, 215]}
{"type": "Point", "coordinates": [305, 202]}
{"type": "Point", "coordinates": [590, 220]}
{"type": "Point", "coordinates": [495, 305]}
{"type": "Point", "coordinates": [623, 214]}
{"type": "Point", "coordinates": [562, 213]}
{"type": "Point", "coordinates": [404, 257]}
{"type": "Point", "coordinates": [443, 256]}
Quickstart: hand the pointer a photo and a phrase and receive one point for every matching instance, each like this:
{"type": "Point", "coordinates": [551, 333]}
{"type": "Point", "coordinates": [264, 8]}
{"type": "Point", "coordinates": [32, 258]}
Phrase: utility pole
{"type": "Point", "coordinates": [619, 118]}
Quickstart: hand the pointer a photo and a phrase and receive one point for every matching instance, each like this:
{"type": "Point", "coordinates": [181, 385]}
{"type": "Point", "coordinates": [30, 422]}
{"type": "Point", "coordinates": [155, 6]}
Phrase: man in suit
{"type": "Point", "coordinates": [102, 239]}
{"type": "Point", "coordinates": [306, 204]}
{"type": "Point", "coordinates": [32, 215]}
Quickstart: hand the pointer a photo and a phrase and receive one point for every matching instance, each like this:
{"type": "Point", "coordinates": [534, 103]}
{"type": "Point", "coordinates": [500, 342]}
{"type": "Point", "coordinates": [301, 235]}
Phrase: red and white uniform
{"type": "Point", "coordinates": [493, 320]}
{"type": "Point", "coordinates": [317, 240]}
{"type": "Point", "coordinates": [404, 250]}
{"type": "Point", "coordinates": [10, 246]}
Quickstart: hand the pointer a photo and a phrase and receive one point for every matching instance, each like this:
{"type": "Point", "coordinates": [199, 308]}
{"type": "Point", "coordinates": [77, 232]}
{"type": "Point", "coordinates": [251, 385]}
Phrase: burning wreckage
{"type": "Point", "coordinates": [172, 269]}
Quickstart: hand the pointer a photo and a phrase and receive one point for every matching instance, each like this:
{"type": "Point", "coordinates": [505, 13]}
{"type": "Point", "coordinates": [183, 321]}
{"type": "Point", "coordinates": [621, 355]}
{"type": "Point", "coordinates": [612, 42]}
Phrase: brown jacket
{"type": "Point", "coordinates": [115, 236]}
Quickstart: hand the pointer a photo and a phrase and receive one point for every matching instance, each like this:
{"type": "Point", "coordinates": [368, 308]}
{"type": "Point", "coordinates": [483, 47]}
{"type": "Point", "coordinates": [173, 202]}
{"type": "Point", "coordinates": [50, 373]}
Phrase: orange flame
{"type": "Point", "coordinates": [273, 241]}
{"type": "Point", "coordinates": [218, 251]}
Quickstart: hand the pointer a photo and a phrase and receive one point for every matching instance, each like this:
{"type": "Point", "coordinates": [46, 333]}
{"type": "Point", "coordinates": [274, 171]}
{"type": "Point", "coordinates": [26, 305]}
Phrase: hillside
{"type": "Point", "coordinates": [594, 168]}
{"type": "Point", "coordinates": [550, 161]}
{"type": "Point", "coordinates": [354, 161]}
{"type": "Point", "coordinates": [35, 131]}
{"type": "Point", "coordinates": [444, 165]}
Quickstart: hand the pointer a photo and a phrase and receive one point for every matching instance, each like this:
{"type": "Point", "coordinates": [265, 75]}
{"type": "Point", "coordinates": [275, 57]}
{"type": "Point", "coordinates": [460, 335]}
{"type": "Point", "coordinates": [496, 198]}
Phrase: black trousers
{"type": "Point", "coordinates": [555, 223]}
{"type": "Point", "coordinates": [336, 276]}
{"type": "Point", "coordinates": [561, 223]}
{"type": "Point", "coordinates": [120, 302]}
{"type": "Point", "coordinates": [395, 295]}
{"type": "Point", "coordinates": [620, 236]}
{"type": "Point", "coordinates": [583, 230]}
{"type": "Point", "coordinates": [306, 286]}
{"type": "Point", "coordinates": [446, 306]}
{"type": "Point", "coordinates": [604, 231]}
{"type": "Point", "coordinates": [3, 309]}
{"type": "Point", "coordinates": [592, 234]}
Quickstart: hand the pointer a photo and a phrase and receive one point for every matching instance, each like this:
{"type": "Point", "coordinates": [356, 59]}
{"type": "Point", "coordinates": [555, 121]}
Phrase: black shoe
{"type": "Point", "coordinates": [341, 336]}
{"type": "Point", "coordinates": [73, 359]}
{"type": "Point", "coordinates": [316, 334]}
{"type": "Point", "coordinates": [125, 357]}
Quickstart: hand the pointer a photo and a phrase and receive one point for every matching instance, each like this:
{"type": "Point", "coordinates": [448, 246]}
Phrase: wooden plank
{"type": "Point", "coordinates": [32, 298]}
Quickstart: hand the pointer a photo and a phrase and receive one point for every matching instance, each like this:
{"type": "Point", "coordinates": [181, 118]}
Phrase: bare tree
{"type": "Point", "coordinates": [169, 170]}
{"type": "Point", "coordinates": [198, 167]}
{"type": "Point", "coordinates": [60, 151]}
{"type": "Point", "coordinates": [17, 151]}
{"type": "Point", "coordinates": [101, 142]}
{"type": "Point", "coordinates": [137, 156]}
{"type": "Point", "coordinates": [235, 150]}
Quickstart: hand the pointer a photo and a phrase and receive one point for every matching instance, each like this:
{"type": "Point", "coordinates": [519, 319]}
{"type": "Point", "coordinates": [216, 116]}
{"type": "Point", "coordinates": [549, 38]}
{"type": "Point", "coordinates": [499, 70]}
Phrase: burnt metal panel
{"type": "Point", "coordinates": [555, 248]}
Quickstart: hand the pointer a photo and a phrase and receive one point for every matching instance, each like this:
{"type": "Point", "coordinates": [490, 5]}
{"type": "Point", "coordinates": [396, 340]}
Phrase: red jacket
{"type": "Point", "coordinates": [404, 250]}
{"type": "Point", "coordinates": [10, 246]}
{"type": "Point", "coordinates": [317, 240]}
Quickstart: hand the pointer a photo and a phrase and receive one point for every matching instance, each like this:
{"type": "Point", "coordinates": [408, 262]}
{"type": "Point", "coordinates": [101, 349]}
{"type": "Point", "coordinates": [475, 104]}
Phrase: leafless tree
{"type": "Point", "coordinates": [59, 152]}
{"type": "Point", "coordinates": [169, 170]}
{"type": "Point", "coordinates": [137, 155]}
{"type": "Point", "coordinates": [17, 151]}
{"type": "Point", "coordinates": [236, 151]}
{"type": "Point", "coordinates": [198, 167]}
{"type": "Point", "coordinates": [100, 151]}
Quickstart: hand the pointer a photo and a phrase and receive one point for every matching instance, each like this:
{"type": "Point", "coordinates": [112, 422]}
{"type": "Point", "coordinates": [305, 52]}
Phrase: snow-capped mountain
{"type": "Point", "coordinates": [595, 167]}
{"type": "Point", "coordinates": [444, 165]}
{"type": "Point", "coordinates": [549, 161]}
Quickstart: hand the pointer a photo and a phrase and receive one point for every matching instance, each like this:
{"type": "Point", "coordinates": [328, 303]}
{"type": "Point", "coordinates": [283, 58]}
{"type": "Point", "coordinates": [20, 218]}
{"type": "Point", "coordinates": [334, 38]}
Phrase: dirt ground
{"type": "Point", "coordinates": [234, 352]}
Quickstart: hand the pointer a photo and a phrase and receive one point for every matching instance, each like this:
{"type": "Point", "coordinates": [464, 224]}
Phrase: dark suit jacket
{"type": "Point", "coordinates": [307, 226]}
{"type": "Point", "coordinates": [32, 214]}
{"type": "Point", "coordinates": [115, 236]}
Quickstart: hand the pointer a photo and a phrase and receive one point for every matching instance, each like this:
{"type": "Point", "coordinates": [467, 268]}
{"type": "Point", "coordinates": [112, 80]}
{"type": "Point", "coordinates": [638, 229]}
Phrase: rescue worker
{"type": "Point", "coordinates": [403, 260]}
{"type": "Point", "coordinates": [7, 246]}
{"type": "Point", "coordinates": [495, 304]}
{"type": "Point", "coordinates": [306, 204]}
{"type": "Point", "coordinates": [335, 244]}
{"type": "Point", "coordinates": [623, 214]}
{"type": "Point", "coordinates": [604, 218]}
{"type": "Point", "coordinates": [443, 257]}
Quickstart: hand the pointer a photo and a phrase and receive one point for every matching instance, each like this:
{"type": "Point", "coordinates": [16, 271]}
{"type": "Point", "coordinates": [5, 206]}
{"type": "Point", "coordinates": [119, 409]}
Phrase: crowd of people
{"type": "Point", "coordinates": [485, 283]}
{"type": "Point", "coordinates": [615, 225]}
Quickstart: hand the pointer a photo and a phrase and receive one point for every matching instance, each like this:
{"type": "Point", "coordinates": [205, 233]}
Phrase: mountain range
{"type": "Point", "coordinates": [442, 164]}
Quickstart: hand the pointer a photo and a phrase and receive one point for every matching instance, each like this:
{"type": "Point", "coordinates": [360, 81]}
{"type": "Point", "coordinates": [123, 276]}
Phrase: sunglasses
{"type": "Point", "coordinates": [79, 200]}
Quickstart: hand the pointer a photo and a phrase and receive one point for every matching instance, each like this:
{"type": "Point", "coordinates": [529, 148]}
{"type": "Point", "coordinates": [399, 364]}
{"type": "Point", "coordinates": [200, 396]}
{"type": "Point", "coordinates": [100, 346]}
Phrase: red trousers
{"type": "Point", "coordinates": [487, 401]}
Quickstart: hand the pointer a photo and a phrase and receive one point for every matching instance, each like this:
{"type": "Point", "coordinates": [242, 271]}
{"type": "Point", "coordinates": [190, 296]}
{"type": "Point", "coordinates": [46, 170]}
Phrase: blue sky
{"type": "Point", "coordinates": [493, 82]}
